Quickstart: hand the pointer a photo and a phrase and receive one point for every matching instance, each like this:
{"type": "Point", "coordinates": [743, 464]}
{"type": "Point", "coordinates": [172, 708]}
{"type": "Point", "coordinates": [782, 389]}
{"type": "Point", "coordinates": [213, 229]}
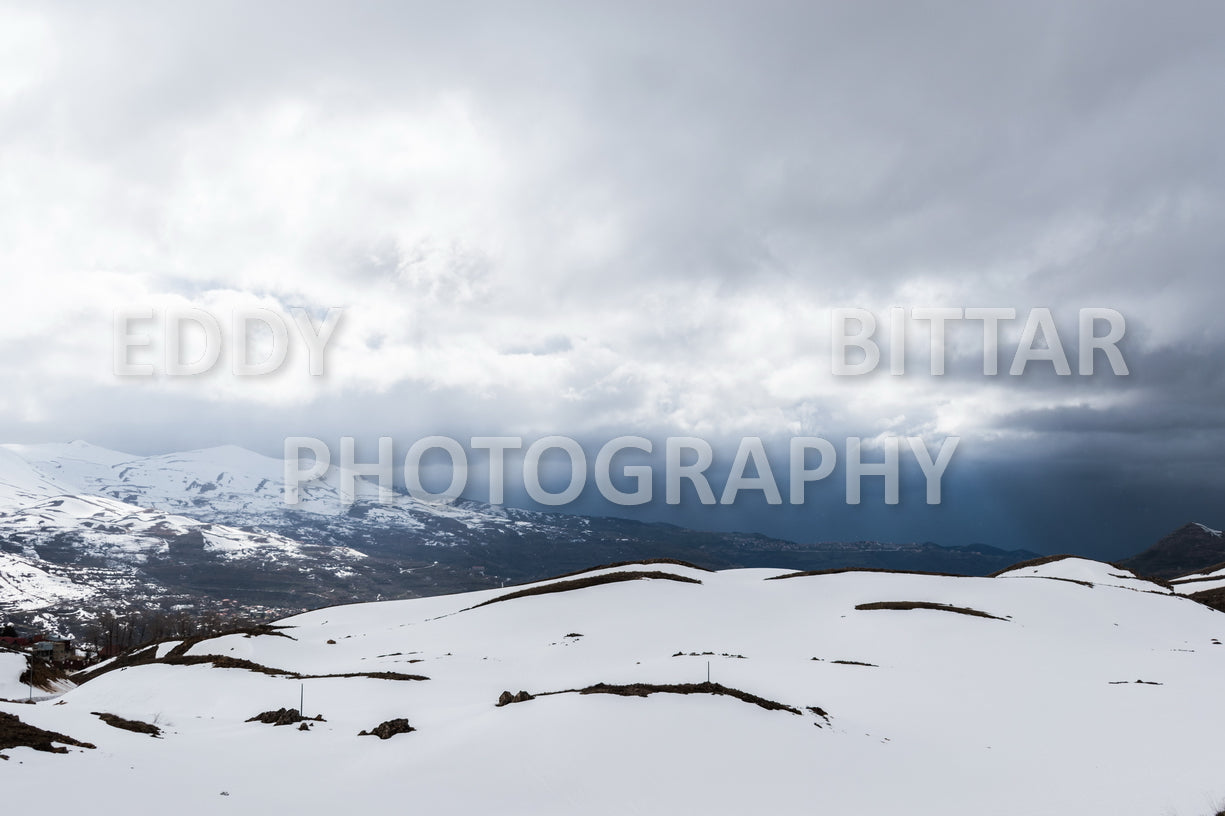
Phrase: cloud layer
{"type": "Point", "coordinates": [634, 218]}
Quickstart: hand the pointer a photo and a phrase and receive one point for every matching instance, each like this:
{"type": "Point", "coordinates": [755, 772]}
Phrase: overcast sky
{"type": "Point", "coordinates": [635, 218]}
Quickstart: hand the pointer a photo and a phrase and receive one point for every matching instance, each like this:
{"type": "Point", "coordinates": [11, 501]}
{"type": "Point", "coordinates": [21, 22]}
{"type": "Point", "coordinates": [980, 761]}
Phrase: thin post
{"type": "Point", "coordinates": [302, 700]}
{"type": "Point", "coordinates": [707, 671]}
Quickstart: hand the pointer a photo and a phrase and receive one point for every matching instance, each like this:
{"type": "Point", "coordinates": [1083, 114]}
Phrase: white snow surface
{"type": "Point", "coordinates": [24, 586]}
{"type": "Point", "coordinates": [12, 665]}
{"type": "Point", "coordinates": [1088, 571]}
{"type": "Point", "coordinates": [1038, 712]}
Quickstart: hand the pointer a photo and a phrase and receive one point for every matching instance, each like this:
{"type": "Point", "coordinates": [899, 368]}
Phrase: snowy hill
{"type": "Point", "coordinates": [1072, 689]}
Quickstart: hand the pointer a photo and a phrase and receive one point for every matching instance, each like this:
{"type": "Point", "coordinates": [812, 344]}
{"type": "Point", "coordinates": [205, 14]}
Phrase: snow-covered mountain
{"type": "Point", "coordinates": [25, 586]}
{"type": "Point", "coordinates": [69, 542]}
{"type": "Point", "coordinates": [223, 484]}
{"type": "Point", "coordinates": [211, 526]}
{"type": "Point", "coordinates": [1068, 687]}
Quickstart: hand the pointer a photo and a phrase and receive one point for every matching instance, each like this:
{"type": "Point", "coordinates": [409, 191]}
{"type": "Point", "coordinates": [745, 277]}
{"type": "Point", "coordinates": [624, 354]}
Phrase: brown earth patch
{"type": "Point", "coordinates": [961, 610]}
{"type": "Point", "coordinates": [646, 561]}
{"type": "Point", "coordinates": [1214, 598]}
{"type": "Point", "coordinates": [137, 726]}
{"type": "Point", "coordinates": [17, 734]}
{"type": "Point", "coordinates": [841, 570]}
{"type": "Point", "coordinates": [647, 689]}
{"type": "Point", "coordinates": [584, 583]}
{"type": "Point", "coordinates": [46, 675]}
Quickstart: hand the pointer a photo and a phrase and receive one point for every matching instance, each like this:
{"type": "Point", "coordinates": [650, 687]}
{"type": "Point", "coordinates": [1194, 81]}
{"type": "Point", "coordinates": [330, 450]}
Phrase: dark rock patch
{"type": "Point", "coordinates": [283, 716]}
{"type": "Point", "coordinates": [388, 729]}
{"type": "Point", "coordinates": [939, 607]}
{"type": "Point", "coordinates": [137, 726]}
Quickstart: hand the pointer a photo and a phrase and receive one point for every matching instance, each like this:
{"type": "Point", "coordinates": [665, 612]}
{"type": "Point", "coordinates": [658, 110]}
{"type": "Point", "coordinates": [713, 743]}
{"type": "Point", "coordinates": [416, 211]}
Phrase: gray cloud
{"type": "Point", "coordinates": [634, 218]}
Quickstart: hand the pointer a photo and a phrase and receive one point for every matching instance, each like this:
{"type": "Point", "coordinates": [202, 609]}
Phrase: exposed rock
{"type": "Point", "coordinates": [388, 729]}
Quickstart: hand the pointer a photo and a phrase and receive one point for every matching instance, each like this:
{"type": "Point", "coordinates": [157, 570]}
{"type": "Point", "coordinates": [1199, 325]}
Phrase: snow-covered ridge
{"type": "Point", "coordinates": [895, 710]}
{"type": "Point", "coordinates": [1087, 571]}
{"type": "Point", "coordinates": [220, 484]}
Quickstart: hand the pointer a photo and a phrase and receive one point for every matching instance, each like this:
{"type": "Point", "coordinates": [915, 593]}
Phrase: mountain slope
{"type": "Point", "coordinates": [1069, 698]}
{"type": "Point", "coordinates": [210, 527]}
{"type": "Point", "coordinates": [1189, 548]}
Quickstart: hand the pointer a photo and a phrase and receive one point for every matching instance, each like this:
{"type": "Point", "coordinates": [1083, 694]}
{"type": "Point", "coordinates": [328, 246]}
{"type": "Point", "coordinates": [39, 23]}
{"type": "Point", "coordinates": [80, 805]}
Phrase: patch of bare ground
{"type": "Point", "coordinates": [647, 689]}
{"type": "Point", "coordinates": [841, 570]}
{"type": "Point", "coordinates": [710, 654]}
{"type": "Point", "coordinates": [376, 675]}
{"type": "Point", "coordinates": [1205, 571]}
{"type": "Point", "coordinates": [227, 662]}
{"type": "Point", "coordinates": [222, 662]}
{"type": "Point", "coordinates": [939, 607]}
{"type": "Point", "coordinates": [618, 564]}
{"type": "Point", "coordinates": [147, 653]}
{"type": "Point", "coordinates": [46, 675]}
{"type": "Point", "coordinates": [388, 729]}
{"type": "Point", "coordinates": [1135, 682]}
{"type": "Point", "coordinates": [1182, 582]}
{"type": "Point", "coordinates": [584, 583]}
{"type": "Point", "coordinates": [849, 663]}
{"type": "Point", "coordinates": [284, 716]}
{"type": "Point", "coordinates": [17, 734]}
{"type": "Point", "coordinates": [1214, 598]}
{"type": "Point", "coordinates": [115, 721]}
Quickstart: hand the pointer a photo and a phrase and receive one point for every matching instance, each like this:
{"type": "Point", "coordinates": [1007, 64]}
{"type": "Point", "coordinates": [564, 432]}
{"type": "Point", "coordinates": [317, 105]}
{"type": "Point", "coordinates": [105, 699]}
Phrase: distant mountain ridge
{"type": "Point", "coordinates": [201, 528]}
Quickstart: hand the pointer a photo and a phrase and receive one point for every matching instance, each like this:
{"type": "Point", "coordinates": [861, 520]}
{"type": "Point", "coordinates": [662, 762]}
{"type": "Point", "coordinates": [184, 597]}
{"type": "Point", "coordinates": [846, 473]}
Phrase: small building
{"type": "Point", "coordinates": [53, 651]}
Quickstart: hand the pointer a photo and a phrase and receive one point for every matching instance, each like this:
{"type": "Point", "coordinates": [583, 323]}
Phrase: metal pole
{"type": "Point", "coordinates": [707, 671]}
{"type": "Point", "coordinates": [302, 700]}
